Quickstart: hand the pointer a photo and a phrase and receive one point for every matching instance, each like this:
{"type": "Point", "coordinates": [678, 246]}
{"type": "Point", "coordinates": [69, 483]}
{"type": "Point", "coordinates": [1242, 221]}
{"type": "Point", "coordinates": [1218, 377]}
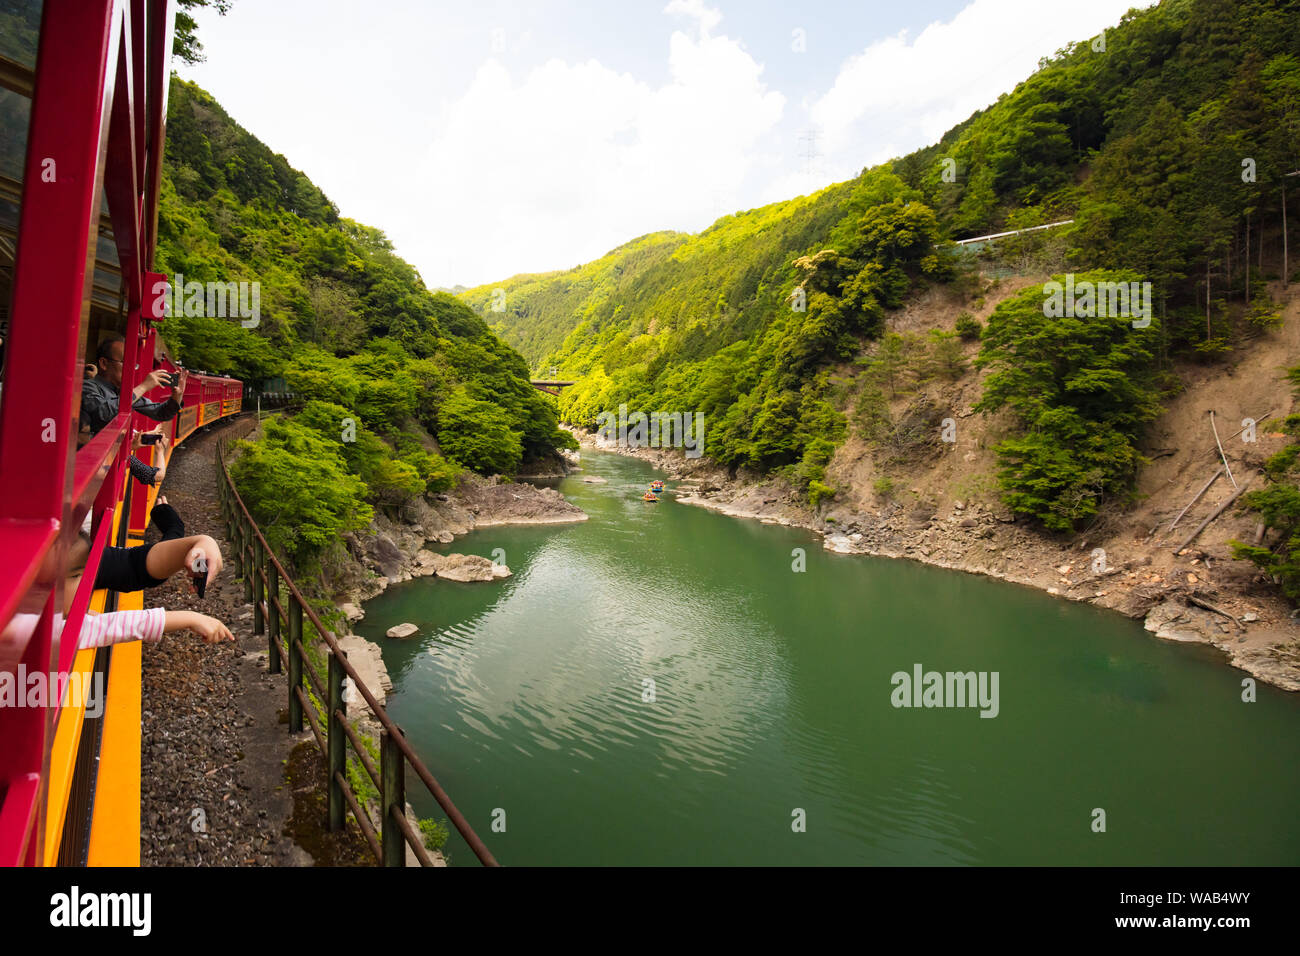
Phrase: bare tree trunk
{"type": "Point", "coordinates": [1195, 498]}
{"type": "Point", "coordinates": [1286, 262]}
{"type": "Point", "coordinates": [1247, 260]}
{"type": "Point", "coordinates": [1207, 300]}
{"type": "Point", "coordinates": [1217, 511]}
{"type": "Point", "coordinates": [1221, 454]}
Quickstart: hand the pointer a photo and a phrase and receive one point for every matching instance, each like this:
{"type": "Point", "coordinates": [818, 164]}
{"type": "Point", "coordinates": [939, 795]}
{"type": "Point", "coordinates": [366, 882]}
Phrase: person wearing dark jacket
{"type": "Point", "coordinates": [100, 400]}
{"type": "Point", "coordinates": [100, 395]}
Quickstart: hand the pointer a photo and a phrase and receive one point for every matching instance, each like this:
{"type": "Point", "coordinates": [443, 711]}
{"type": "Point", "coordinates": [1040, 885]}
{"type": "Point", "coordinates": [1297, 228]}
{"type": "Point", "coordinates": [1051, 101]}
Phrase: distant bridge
{"type": "Point", "coordinates": [549, 385]}
{"type": "Point", "coordinates": [978, 242]}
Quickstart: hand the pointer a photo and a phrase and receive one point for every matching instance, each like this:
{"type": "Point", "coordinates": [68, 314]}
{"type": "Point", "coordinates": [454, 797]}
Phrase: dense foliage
{"type": "Point", "coordinates": [731, 324]}
{"type": "Point", "coordinates": [345, 322]}
{"type": "Point", "coordinates": [299, 489]}
{"type": "Point", "coordinates": [1166, 141]}
{"type": "Point", "coordinates": [1081, 390]}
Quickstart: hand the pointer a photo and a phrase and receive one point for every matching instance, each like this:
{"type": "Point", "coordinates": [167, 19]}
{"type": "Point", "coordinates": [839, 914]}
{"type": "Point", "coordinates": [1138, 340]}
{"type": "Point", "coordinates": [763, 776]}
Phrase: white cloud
{"type": "Point", "coordinates": [707, 17]}
{"type": "Point", "coordinates": [900, 94]}
{"type": "Point", "coordinates": [560, 165]}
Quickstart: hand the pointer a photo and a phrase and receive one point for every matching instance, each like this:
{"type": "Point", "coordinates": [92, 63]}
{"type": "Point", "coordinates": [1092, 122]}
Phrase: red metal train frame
{"type": "Point", "coordinates": [98, 116]}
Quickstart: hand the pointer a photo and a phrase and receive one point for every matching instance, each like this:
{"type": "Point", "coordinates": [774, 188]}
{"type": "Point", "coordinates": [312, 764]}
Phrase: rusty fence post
{"type": "Point", "coordinates": [392, 772]}
{"type": "Point", "coordinates": [295, 664]}
{"type": "Point", "coordinates": [273, 618]}
{"type": "Point", "coordinates": [338, 755]}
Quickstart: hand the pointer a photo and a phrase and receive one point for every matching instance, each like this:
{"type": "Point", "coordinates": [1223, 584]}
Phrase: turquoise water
{"type": "Point", "coordinates": [529, 700]}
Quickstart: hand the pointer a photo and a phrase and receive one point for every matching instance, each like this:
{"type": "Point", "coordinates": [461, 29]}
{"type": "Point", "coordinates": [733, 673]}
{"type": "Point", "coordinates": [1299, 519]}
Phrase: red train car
{"type": "Point", "coordinates": [83, 105]}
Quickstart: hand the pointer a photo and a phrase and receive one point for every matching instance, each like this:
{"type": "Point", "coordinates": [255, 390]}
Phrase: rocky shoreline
{"type": "Point", "coordinates": [1194, 597]}
{"type": "Point", "coordinates": [394, 551]}
{"type": "Point", "coordinates": [391, 552]}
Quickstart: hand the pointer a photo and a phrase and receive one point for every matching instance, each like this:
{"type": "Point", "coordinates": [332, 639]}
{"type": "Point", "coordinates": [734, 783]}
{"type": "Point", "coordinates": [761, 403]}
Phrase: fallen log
{"type": "Point", "coordinates": [1193, 599]}
{"type": "Point", "coordinates": [1219, 445]}
{"type": "Point", "coordinates": [1217, 511]}
{"type": "Point", "coordinates": [1204, 489]}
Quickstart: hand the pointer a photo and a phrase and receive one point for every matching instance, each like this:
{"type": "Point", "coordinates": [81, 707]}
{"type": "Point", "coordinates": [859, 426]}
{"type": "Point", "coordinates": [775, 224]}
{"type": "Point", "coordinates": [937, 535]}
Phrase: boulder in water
{"type": "Point", "coordinates": [402, 630]}
{"type": "Point", "coordinates": [468, 567]}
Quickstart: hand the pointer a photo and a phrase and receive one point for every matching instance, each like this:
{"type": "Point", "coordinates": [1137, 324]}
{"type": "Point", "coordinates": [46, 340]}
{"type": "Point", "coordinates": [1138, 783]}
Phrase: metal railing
{"type": "Point", "coordinates": [264, 582]}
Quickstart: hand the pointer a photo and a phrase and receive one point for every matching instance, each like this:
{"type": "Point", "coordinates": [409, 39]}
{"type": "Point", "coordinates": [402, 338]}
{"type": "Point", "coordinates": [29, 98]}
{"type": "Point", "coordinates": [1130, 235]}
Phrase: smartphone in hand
{"type": "Point", "coordinates": [150, 438]}
{"type": "Point", "coordinates": [200, 574]}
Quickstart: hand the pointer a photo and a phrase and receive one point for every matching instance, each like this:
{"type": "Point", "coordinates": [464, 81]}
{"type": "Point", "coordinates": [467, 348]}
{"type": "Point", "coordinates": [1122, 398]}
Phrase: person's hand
{"type": "Point", "coordinates": [204, 560]}
{"type": "Point", "coordinates": [155, 378]}
{"type": "Point", "coordinates": [178, 392]}
{"type": "Point", "coordinates": [210, 629]}
{"type": "Point", "coordinates": [138, 442]}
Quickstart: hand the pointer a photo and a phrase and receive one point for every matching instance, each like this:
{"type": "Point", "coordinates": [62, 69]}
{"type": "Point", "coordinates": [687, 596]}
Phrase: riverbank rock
{"type": "Point", "coordinates": [424, 563]}
{"type": "Point", "coordinates": [384, 555]}
{"type": "Point", "coordinates": [492, 502]}
{"type": "Point", "coordinates": [402, 630]}
{"type": "Point", "coordinates": [839, 543]}
{"type": "Point", "coordinates": [466, 567]}
{"type": "Point", "coordinates": [352, 612]}
{"type": "Point", "coordinates": [368, 661]}
{"type": "Point", "coordinates": [1174, 621]}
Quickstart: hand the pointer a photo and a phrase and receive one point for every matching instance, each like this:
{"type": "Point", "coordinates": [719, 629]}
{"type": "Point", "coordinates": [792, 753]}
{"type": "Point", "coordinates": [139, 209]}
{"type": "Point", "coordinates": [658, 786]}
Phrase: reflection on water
{"type": "Point", "coordinates": [656, 686]}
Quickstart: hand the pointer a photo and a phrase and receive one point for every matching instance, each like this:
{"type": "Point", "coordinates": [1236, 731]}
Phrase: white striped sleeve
{"type": "Point", "coordinates": [117, 627]}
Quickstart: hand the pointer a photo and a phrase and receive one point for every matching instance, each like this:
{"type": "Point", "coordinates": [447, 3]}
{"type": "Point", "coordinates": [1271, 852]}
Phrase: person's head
{"type": "Point", "coordinates": [109, 357]}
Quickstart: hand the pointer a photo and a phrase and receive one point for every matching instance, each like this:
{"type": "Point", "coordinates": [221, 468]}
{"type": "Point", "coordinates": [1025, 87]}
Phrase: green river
{"type": "Point", "coordinates": [657, 686]}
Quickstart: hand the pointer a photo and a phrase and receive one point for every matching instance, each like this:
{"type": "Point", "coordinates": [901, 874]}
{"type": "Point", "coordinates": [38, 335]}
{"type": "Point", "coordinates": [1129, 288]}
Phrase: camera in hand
{"type": "Point", "coordinates": [150, 438]}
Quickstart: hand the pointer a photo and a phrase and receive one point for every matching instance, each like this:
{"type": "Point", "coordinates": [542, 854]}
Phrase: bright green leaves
{"type": "Point", "coordinates": [478, 434]}
{"type": "Point", "coordinates": [300, 492]}
{"type": "Point", "coordinates": [1081, 388]}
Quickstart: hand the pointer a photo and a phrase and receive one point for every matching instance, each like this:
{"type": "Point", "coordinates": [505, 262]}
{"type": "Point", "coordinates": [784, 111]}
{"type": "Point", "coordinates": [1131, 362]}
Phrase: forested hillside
{"type": "Point", "coordinates": [404, 387]}
{"type": "Point", "coordinates": [1167, 141]}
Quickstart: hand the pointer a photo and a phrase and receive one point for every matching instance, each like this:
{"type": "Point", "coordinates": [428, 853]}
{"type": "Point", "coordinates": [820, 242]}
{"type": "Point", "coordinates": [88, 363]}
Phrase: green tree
{"type": "Point", "coordinates": [1081, 388]}
{"type": "Point", "coordinates": [299, 491]}
{"type": "Point", "coordinates": [478, 435]}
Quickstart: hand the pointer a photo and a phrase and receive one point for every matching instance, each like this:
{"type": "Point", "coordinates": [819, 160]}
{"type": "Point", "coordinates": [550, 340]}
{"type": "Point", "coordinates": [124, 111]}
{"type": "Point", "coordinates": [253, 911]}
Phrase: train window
{"type": "Point", "coordinates": [20, 27]}
{"type": "Point", "coordinates": [15, 116]}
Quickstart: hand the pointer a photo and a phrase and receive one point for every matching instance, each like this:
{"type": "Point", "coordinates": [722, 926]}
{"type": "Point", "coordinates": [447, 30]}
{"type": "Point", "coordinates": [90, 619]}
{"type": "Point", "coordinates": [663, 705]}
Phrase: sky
{"type": "Point", "coordinates": [488, 139]}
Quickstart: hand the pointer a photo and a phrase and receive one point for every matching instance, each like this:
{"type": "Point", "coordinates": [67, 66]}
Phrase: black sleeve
{"type": "Point", "coordinates": [145, 474]}
{"type": "Point", "coordinates": [97, 408]}
{"type": "Point", "coordinates": [158, 411]}
{"type": "Point", "coordinates": [168, 521]}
